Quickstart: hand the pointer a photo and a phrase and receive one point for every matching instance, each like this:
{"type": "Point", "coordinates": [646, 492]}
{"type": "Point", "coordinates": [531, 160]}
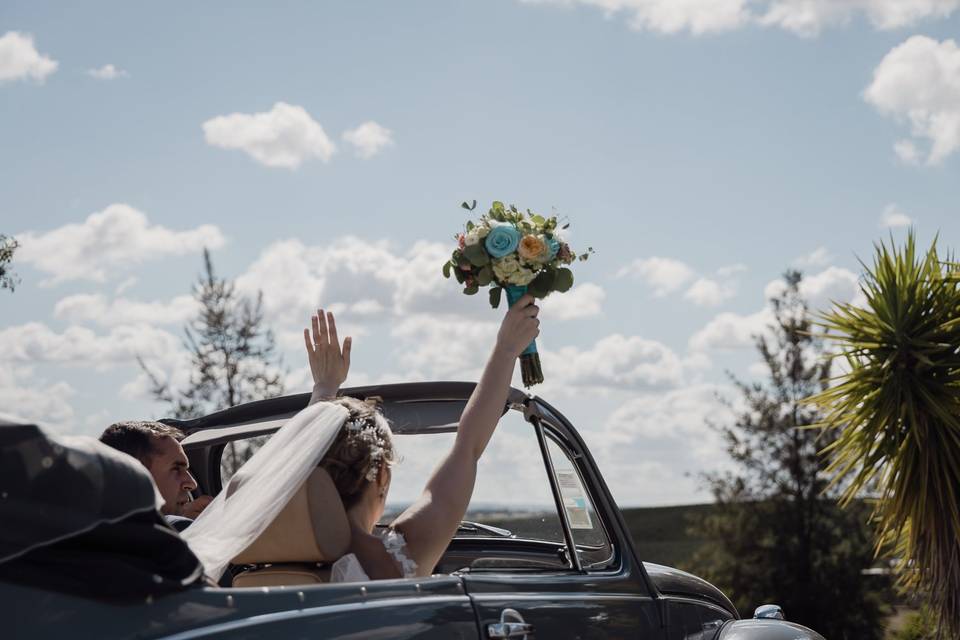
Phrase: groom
{"type": "Point", "coordinates": [157, 447]}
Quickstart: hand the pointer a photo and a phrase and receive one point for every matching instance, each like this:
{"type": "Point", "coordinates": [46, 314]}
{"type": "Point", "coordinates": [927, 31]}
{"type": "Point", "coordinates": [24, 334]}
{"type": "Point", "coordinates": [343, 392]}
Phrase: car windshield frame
{"type": "Point", "coordinates": [412, 408]}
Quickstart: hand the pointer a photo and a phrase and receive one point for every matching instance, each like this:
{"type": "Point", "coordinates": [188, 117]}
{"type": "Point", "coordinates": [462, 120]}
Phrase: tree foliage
{"type": "Point", "coordinates": [232, 354]}
{"type": "Point", "coordinates": [8, 246]}
{"type": "Point", "coordinates": [776, 537]}
{"type": "Point", "coordinates": [897, 416]}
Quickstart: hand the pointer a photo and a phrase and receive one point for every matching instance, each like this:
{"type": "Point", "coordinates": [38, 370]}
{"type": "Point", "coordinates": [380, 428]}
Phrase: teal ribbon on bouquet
{"type": "Point", "coordinates": [530, 369]}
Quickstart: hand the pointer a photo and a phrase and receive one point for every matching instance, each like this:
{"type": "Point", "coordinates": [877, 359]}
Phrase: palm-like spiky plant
{"type": "Point", "coordinates": [897, 412]}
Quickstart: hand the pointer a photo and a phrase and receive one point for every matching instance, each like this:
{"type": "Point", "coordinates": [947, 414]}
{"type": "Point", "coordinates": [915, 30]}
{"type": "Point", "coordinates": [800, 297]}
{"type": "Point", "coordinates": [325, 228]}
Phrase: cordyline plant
{"type": "Point", "coordinates": [897, 415]}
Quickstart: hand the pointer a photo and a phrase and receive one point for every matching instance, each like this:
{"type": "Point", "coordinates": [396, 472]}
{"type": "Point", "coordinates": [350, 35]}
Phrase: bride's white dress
{"type": "Point", "coordinates": [348, 569]}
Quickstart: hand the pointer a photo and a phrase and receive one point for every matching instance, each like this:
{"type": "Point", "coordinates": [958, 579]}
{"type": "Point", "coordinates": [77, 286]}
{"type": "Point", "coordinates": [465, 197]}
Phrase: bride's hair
{"type": "Point", "coordinates": [362, 447]}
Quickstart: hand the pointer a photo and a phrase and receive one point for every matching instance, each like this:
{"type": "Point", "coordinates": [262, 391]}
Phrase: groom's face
{"type": "Point", "coordinates": [171, 472]}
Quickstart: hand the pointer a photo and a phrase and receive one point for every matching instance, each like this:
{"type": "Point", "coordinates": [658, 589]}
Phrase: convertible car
{"type": "Point", "coordinates": [543, 551]}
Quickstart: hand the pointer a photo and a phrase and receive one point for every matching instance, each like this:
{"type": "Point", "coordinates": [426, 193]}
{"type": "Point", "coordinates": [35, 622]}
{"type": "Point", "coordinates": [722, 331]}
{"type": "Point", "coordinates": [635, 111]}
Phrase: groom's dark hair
{"type": "Point", "coordinates": [137, 437]}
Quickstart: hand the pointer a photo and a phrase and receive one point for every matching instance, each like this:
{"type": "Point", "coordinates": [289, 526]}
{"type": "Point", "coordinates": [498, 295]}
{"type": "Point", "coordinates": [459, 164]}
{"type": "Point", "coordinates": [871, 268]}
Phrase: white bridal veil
{"type": "Point", "coordinates": [263, 486]}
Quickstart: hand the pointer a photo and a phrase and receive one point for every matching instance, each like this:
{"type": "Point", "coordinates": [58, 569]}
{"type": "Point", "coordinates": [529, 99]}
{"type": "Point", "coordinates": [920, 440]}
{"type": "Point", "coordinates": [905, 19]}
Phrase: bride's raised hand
{"type": "Point", "coordinates": [329, 363]}
{"type": "Point", "coordinates": [519, 328]}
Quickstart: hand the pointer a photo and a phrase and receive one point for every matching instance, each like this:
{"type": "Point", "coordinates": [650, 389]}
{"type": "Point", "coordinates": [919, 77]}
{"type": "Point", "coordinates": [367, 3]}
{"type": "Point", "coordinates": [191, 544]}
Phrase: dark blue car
{"type": "Point", "coordinates": [543, 552]}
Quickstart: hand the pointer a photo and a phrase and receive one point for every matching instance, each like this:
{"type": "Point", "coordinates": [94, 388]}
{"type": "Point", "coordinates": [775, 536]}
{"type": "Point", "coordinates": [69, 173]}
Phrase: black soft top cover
{"type": "Point", "coordinates": [81, 517]}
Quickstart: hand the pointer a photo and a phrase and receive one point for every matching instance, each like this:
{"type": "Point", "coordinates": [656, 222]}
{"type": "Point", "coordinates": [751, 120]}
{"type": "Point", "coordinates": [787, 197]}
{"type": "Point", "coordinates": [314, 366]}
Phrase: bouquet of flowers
{"type": "Point", "coordinates": [514, 252]}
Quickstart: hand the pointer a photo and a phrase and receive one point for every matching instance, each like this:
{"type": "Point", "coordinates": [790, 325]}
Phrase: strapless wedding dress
{"type": "Point", "coordinates": [348, 568]}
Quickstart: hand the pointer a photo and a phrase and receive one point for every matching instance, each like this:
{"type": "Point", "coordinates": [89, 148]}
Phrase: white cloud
{"type": "Point", "coordinates": [626, 362]}
{"type": "Point", "coordinates": [432, 346]}
{"type": "Point", "coordinates": [285, 137]}
{"type": "Point", "coordinates": [802, 17]}
{"type": "Point", "coordinates": [368, 139]}
{"type": "Point", "coordinates": [677, 413]}
{"type": "Point", "coordinates": [107, 72]}
{"type": "Point", "coordinates": [35, 342]}
{"type": "Point", "coordinates": [893, 217]}
{"type": "Point", "coordinates": [821, 290]}
{"type": "Point", "coordinates": [670, 16]}
{"type": "Point", "coordinates": [708, 292]}
{"type": "Point", "coordinates": [583, 301]}
{"type": "Point", "coordinates": [667, 275]}
{"type": "Point", "coordinates": [663, 275]}
{"type": "Point", "coordinates": [908, 152]}
{"type": "Point", "coordinates": [108, 242]}
{"type": "Point", "coordinates": [24, 395]}
{"type": "Point", "coordinates": [357, 276]}
{"type": "Point", "coordinates": [819, 257]}
{"type": "Point", "coordinates": [19, 59]}
{"type": "Point", "coordinates": [730, 330]}
{"type": "Point", "coordinates": [120, 311]}
{"type": "Point", "coordinates": [918, 82]}
{"type": "Point", "coordinates": [809, 17]}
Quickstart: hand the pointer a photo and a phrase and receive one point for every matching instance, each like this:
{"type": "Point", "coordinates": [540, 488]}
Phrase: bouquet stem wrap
{"type": "Point", "coordinates": [530, 368]}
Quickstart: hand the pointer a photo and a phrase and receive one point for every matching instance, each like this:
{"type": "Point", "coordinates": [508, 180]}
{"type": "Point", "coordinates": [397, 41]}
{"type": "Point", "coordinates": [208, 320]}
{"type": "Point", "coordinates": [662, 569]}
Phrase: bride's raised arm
{"type": "Point", "coordinates": [429, 523]}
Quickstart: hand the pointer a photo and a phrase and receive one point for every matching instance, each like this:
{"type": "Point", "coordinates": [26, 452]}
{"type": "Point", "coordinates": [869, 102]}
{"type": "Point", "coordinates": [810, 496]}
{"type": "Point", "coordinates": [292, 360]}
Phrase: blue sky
{"type": "Point", "coordinates": [701, 148]}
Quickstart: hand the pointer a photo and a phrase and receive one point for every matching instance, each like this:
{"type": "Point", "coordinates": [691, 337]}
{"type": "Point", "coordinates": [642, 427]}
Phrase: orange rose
{"type": "Point", "coordinates": [532, 248]}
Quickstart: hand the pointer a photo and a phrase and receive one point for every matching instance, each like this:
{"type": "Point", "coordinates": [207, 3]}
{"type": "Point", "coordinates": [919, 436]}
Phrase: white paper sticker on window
{"type": "Point", "coordinates": [574, 502]}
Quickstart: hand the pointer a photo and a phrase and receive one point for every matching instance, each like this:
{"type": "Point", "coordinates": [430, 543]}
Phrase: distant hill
{"type": "Point", "coordinates": [661, 533]}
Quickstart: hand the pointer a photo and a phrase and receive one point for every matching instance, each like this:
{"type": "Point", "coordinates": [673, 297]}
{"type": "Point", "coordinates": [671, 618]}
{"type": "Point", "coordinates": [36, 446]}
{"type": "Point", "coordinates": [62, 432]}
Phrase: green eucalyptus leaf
{"type": "Point", "coordinates": [563, 280]}
{"type": "Point", "coordinates": [485, 276]}
{"type": "Point", "coordinates": [476, 255]}
{"type": "Point", "coordinates": [471, 290]}
{"type": "Point", "coordinates": [542, 284]}
{"type": "Point", "coordinates": [495, 294]}
{"type": "Point", "coordinates": [446, 269]}
{"type": "Point", "coordinates": [469, 207]}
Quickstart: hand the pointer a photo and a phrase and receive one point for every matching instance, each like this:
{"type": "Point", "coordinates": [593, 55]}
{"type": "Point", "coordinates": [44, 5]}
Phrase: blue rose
{"type": "Point", "coordinates": [553, 247]}
{"type": "Point", "coordinates": [502, 240]}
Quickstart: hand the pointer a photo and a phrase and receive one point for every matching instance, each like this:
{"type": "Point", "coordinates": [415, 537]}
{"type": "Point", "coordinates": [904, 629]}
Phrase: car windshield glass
{"type": "Point", "coordinates": [511, 497]}
{"type": "Point", "coordinates": [512, 492]}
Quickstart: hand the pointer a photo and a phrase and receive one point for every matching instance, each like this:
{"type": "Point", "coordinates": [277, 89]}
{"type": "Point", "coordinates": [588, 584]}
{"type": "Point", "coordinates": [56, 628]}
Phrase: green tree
{"type": "Point", "coordinates": [896, 416]}
{"type": "Point", "coordinates": [775, 537]}
{"type": "Point", "coordinates": [8, 246]}
{"type": "Point", "coordinates": [232, 353]}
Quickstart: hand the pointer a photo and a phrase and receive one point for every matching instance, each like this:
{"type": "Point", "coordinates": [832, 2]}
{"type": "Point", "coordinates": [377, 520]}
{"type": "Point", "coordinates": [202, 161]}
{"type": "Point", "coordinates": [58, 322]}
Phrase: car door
{"type": "Point", "coordinates": [601, 593]}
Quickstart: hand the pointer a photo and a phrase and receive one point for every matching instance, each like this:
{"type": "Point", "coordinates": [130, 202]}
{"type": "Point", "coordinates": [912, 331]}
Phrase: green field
{"type": "Point", "coordinates": [661, 533]}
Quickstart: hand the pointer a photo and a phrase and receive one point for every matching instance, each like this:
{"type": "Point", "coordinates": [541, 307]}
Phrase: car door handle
{"type": "Point", "coordinates": [511, 625]}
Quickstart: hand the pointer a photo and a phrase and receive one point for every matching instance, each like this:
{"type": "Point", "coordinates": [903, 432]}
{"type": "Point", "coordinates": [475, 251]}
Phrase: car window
{"type": "Point", "coordinates": [587, 528]}
{"type": "Point", "coordinates": [512, 491]}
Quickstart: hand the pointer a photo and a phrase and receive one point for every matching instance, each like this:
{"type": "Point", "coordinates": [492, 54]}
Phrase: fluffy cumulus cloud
{"type": "Point", "coordinates": [625, 362]}
{"type": "Point", "coordinates": [26, 396]}
{"type": "Point", "coordinates": [918, 82]}
{"type": "Point", "coordinates": [663, 275]}
{"type": "Point", "coordinates": [819, 257]}
{"type": "Point", "coordinates": [893, 217]}
{"type": "Point", "coordinates": [20, 60]}
{"type": "Point", "coordinates": [353, 276]}
{"type": "Point", "coordinates": [739, 331]}
{"type": "Point", "coordinates": [667, 275]}
{"type": "Point", "coordinates": [652, 446]}
{"type": "Point", "coordinates": [108, 242]}
{"type": "Point", "coordinates": [802, 17]}
{"type": "Point", "coordinates": [284, 137]}
{"type": "Point", "coordinates": [97, 308]}
{"type": "Point", "coordinates": [107, 72]}
{"type": "Point", "coordinates": [35, 342]}
{"type": "Point", "coordinates": [583, 301]}
{"type": "Point", "coordinates": [368, 139]}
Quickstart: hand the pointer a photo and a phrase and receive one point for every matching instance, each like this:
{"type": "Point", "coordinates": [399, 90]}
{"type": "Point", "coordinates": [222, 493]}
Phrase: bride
{"type": "Point", "coordinates": [352, 441]}
{"type": "Point", "coordinates": [360, 458]}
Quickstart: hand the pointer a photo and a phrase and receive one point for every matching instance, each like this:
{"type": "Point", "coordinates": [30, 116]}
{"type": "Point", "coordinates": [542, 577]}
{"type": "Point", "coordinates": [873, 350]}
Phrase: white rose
{"type": "Point", "coordinates": [471, 238]}
{"type": "Point", "coordinates": [482, 231]}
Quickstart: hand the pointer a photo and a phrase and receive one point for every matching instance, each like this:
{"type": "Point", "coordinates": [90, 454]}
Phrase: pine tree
{"type": "Point", "coordinates": [8, 245]}
{"type": "Point", "coordinates": [778, 534]}
{"type": "Point", "coordinates": [232, 353]}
